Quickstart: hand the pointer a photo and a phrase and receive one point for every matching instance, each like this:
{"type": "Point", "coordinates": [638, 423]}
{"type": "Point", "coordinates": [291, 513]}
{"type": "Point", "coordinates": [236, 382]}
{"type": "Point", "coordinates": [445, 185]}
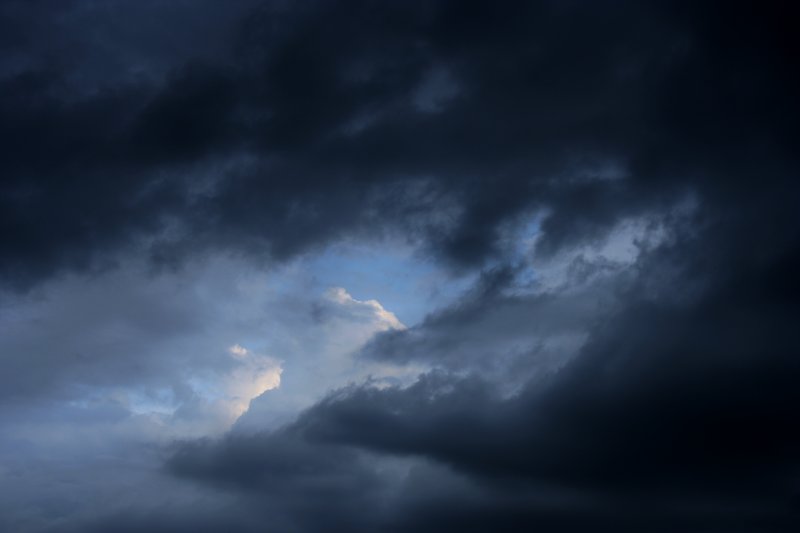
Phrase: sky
{"type": "Point", "coordinates": [399, 266]}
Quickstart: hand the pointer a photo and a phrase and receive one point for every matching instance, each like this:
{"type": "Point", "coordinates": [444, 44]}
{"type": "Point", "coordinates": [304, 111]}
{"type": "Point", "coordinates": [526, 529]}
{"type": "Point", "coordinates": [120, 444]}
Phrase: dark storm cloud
{"type": "Point", "coordinates": [299, 485]}
{"type": "Point", "coordinates": [299, 127]}
{"type": "Point", "coordinates": [674, 415]}
{"type": "Point", "coordinates": [672, 404]}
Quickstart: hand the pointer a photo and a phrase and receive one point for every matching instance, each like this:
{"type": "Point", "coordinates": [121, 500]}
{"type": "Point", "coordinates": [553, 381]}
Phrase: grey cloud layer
{"type": "Point", "coordinates": [673, 415]}
{"type": "Point", "coordinates": [650, 386]}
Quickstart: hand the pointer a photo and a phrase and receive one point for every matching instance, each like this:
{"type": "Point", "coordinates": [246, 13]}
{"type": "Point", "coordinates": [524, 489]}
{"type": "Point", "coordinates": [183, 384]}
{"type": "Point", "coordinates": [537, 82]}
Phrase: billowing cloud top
{"type": "Point", "coordinates": [407, 266]}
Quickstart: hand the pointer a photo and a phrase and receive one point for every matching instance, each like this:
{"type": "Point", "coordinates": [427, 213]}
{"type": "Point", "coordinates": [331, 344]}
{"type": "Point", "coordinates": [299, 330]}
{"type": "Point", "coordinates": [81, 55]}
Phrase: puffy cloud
{"type": "Point", "coordinates": [371, 311]}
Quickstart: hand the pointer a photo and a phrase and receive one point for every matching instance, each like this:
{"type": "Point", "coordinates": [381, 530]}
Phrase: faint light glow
{"type": "Point", "coordinates": [436, 90]}
{"type": "Point", "coordinates": [237, 351]}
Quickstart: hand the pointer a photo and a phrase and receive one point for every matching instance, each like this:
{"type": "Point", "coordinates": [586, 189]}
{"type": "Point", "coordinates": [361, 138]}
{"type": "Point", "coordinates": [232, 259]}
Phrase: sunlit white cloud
{"type": "Point", "coordinates": [255, 375]}
{"type": "Point", "coordinates": [371, 309]}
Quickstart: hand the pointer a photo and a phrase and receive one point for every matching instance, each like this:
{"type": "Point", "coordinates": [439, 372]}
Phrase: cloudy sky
{"type": "Point", "coordinates": [418, 266]}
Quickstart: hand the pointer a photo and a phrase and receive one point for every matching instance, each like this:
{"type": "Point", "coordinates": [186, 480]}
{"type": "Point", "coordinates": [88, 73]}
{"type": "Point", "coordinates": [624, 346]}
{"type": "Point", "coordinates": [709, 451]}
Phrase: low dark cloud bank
{"type": "Point", "coordinates": [650, 387]}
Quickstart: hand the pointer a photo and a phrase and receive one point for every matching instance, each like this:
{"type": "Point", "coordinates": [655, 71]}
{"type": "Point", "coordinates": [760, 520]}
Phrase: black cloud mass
{"type": "Point", "coordinates": [614, 184]}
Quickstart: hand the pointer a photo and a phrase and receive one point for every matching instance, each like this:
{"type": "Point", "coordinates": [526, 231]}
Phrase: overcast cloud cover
{"type": "Point", "coordinates": [399, 266]}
